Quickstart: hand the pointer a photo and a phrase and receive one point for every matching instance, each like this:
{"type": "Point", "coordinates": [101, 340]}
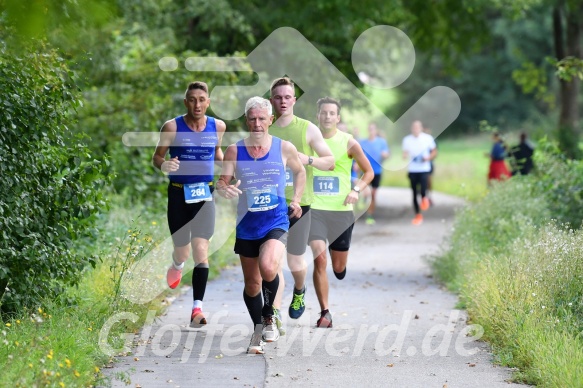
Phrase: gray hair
{"type": "Point", "coordinates": [260, 103]}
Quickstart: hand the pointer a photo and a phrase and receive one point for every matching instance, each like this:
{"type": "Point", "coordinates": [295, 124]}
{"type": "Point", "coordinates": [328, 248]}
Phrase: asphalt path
{"type": "Point", "coordinates": [393, 324]}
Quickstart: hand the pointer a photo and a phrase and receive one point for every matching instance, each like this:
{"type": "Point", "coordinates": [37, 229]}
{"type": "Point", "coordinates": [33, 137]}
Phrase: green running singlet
{"type": "Point", "coordinates": [332, 187]}
{"type": "Point", "coordinates": [295, 133]}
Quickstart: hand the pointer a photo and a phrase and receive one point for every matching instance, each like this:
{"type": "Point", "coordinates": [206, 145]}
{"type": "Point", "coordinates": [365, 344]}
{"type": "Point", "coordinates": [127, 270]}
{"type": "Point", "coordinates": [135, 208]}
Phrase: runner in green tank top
{"type": "Point", "coordinates": [295, 132]}
{"type": "Point", "coordinates": [332, 215]}
{"type": "Point", "coordinates": [331, 188]}
{"type": "Point", "coordinates": [314, 154]}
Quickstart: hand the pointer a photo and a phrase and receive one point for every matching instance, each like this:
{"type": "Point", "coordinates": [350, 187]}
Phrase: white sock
{"type": "Point", "coordinates": [197, 304]}
{"type": "Point", "coordinates": [176, 266]}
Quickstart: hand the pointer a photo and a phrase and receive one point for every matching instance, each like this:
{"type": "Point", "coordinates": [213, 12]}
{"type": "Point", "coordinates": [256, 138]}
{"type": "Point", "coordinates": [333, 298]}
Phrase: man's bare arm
{"type": "Point", "coordinates": [293, 161]}
{"type": "Point", "coordinates": [224, 186]}
{"type": "Point", "coordinates": [432, 154]}
{"type": "Point", "coordinates": [167, 135]}
{"type": "Point", "coordinates": [221, 129]}
{"type": "Point", "coordinates": [325, 160]}
{"type": "Point", "coordinates": [355, 152]}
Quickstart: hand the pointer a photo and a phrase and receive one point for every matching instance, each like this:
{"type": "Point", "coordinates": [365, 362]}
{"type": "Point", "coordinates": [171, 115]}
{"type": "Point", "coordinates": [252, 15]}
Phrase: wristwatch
{"type": "Point", "coordinates": [356, 188]}
{"type": "Point", "coordinates": [310, 160]}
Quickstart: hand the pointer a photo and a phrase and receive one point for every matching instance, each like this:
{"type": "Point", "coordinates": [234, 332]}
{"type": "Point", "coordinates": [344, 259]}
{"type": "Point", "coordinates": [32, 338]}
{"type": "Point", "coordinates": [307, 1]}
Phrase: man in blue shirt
{"type": "Point", "coordinates": [376, 150]}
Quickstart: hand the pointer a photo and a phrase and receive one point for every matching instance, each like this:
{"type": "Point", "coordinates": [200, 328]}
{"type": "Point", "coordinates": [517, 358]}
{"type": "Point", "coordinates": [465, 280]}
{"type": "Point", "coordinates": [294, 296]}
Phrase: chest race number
{"type": "Point", "coordinates": [262, 199]}
{"type": "Point", "coordinates": [324, 186]}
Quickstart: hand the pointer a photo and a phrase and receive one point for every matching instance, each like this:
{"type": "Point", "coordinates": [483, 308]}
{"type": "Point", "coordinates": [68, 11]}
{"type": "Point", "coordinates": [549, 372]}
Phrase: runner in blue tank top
{"type": "Point", "coordinates": [262, 199]}
{"type": "Point", "coordinates": [193, 142]}
{"type": "Point", "coordinates": [258, 163]}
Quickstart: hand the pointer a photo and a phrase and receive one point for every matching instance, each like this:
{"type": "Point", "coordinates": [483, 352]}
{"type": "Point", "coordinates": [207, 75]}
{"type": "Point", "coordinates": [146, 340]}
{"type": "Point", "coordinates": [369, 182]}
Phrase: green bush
{"type": "Point", "coordinates": [560, 181]}
{"type": "Point", "coordinates": [51, 187]}
{"type": "Point", "coordinates": [516, 258]}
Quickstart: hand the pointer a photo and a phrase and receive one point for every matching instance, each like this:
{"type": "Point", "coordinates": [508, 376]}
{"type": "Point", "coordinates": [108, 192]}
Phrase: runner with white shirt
{"type": "Point", "coordinates": [419, 149]}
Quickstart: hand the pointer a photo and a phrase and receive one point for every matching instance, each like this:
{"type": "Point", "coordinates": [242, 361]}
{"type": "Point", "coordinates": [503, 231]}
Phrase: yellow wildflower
{"type": "Point", "coordinates": [77, 374]}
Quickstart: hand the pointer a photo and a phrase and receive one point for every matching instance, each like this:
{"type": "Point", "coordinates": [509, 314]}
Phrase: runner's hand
{"type": "Point", "coordinates": [295, 210]}
{"type": "Point", "coordinates": [231, 191]}
{"type": "Point", "coordinates": [170, 165]}
{"type": "Point", "coordinates": [351, 198]}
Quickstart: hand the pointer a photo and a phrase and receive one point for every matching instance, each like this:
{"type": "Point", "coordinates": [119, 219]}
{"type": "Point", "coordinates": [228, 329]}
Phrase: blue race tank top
{"type": "Point", "coordinates": [262, 206]}
{"type": "Point", "coordinates": [196, 152]}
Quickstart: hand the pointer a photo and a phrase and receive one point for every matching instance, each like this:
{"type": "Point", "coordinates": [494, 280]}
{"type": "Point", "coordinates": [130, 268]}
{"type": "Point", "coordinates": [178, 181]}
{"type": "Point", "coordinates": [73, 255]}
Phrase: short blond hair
{"type": "Point", "coordinates": [283, 81]}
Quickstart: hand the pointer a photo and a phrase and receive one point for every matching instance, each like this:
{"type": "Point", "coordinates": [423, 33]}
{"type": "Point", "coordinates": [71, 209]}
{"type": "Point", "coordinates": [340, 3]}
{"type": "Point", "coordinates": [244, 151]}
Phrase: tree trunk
{"type": "Point", "coordinates": [3, 285]}
{"type": "Point", "coordinates": [568, 131]}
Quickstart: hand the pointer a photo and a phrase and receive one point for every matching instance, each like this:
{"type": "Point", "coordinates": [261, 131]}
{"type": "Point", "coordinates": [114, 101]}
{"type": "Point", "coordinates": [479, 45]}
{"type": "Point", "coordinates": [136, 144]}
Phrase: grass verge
{"type": "Point", "coordinates": [516, 258]}
{"type": "Point", "coordinates": [67, 342]}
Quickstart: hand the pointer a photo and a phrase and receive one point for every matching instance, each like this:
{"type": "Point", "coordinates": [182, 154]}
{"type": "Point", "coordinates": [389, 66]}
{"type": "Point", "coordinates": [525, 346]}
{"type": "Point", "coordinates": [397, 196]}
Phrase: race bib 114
{"type": "Point", "coordinates": [326, 185]}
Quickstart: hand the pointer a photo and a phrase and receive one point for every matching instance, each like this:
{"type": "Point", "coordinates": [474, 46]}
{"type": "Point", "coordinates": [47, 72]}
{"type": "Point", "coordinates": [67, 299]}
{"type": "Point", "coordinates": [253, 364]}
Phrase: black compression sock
{"type": "Point", "coordinates": [254, 305]}
{"type": "Point", "coordinates": [269, 291]}
{"type": "Point", "coordinates": [340, 275]}
{"type": "Point", "coordinates": [200, 275]}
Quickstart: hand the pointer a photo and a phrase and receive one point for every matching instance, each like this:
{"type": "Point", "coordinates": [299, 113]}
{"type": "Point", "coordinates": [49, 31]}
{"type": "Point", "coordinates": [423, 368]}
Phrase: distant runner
{"type": "Point", "coordinates": [377, 151]}
{"type": "Point", "coordinates": [419, 150]}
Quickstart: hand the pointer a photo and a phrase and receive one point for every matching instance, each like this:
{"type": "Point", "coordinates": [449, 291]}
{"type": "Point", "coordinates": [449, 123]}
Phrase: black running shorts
{"type": "Point", "coordinates": [250, 248]}
{"type": "Point", "coordinates": [189, 220]}
{"type": "Point", "coordinates": [376, 181]}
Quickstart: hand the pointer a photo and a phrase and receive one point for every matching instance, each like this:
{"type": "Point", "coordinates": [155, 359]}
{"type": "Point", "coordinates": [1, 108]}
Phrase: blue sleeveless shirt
{"type": "Point", "coordinates": [196, 152]}
{"type": "Point", "coordinates": [262, 206]}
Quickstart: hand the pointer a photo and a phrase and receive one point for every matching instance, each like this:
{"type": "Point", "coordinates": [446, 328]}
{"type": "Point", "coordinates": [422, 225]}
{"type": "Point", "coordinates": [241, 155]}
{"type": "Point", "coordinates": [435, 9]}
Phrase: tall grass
{"type": "Point", "coordinates": [516, 259]}
{"type": "Point", "coordinates": [58, 344]}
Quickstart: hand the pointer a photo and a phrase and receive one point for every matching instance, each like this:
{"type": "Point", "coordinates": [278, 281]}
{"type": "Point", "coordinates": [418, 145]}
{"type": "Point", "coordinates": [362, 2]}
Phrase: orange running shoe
{"type": "Point", "coordinates": [173, 276]}
{"type": "Point", "coordinates": [197, 318]}
{"type": "Point", "coordinates": [418, 220]}
{"type": "Point", "coordinates": [425, 203]}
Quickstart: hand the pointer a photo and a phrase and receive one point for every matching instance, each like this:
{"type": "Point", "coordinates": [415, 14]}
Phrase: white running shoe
{"type": "Point", "coordinates": [270, 332]}
{"type": "Point", "coordinates": [256, 344]}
